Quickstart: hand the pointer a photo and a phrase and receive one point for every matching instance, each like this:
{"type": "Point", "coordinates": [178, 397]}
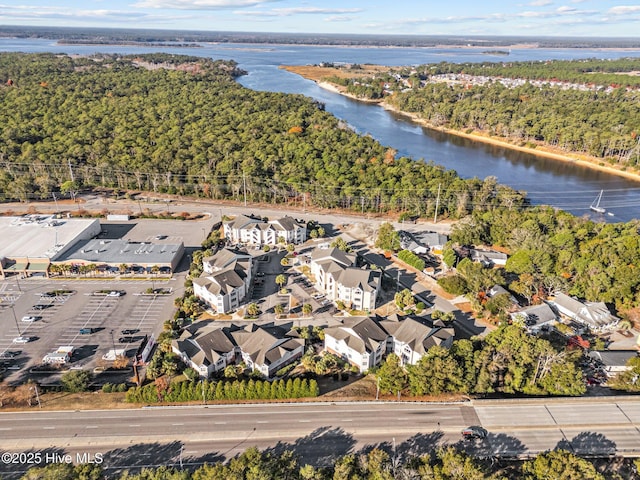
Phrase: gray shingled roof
{"type": "Point", "coordinates": [362, 334]}
{"type": "Point", "coordinates": [334, 254]}
{"type": "Point", "coordinates": [366, 280]}
{"type": "Point", "coordinates": [614, 358]}
{"type": "Point", "coordinates": [538, 314]}
{"type": "Point", "coordinates": [595, 314]}
{"type": "Point", "coordinates": [265, 344]}
{"type": "Point", "coordinates": [207, 344]}
{"type": "Point", "coordinates": [230, 269]}
{"type": "Point", "coordinates": [419, 333]}
{"type": "Point", "coordinates": [241, 221]}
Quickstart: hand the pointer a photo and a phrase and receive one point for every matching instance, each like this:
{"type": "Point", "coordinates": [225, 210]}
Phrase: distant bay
{"type": "Point", "coordinates": [560, 184]}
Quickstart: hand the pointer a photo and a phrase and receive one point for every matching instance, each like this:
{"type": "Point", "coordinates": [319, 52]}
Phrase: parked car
{"type": "Point", "coordinates": [474, 432]}
{"type": "Point", "coordinates": [41, 306]}
{"type": "Point", "coordinates": [10, 354]}
{"type": "Point", "coordinates": [22, 340]}
{"type": "Point", "coordinates": [116, 293]}
{"type": "Point", "coordinates": [130, 331]}
{"type": "Point", "coordinates": [31, 318]}
{"type": "Point", "coordinates": [86, 331]}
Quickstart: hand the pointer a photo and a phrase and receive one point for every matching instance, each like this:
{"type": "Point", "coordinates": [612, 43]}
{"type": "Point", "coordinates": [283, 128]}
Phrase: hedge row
{"type": "Point", "coordinates": [236, 390]}
{"type": "Point", "coordinates": [412, 259]}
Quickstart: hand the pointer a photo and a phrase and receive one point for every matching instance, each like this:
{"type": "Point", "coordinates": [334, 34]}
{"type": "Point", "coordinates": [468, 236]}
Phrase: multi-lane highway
{"type": "Point", "coordinates": [320, 432]}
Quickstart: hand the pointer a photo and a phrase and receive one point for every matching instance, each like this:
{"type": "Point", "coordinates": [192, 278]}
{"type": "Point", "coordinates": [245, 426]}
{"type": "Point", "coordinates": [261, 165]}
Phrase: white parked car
{"type": "Point", "coordinates": [22, 340]}
{"type": "Point", "coordinates": [30, 318]}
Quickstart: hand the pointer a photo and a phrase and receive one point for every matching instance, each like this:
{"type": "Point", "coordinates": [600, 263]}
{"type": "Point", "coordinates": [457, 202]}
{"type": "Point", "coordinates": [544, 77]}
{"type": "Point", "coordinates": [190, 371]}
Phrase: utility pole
{"type": "Point", "coordinates": [244, 183]}
{"type": "Point", "coordinates": [70, 170]}
{"type": "Point", "coordinates": [35, 387]}
{"type": "Point", "coordinates": [55, 200]}
{"type": "Point", "coordinates": [435, 215]}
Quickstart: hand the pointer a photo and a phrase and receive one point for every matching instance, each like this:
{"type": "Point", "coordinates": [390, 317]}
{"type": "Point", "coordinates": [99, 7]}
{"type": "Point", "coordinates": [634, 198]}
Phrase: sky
{"type": "Point", "coordinates": [586, 18]}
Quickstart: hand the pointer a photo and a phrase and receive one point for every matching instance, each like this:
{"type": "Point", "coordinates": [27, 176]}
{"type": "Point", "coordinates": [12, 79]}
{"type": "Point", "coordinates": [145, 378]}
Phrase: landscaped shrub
{"type": "Point", "coordinates": [412, 259]}
{"type": "Point", "coordinates": [224, 390]}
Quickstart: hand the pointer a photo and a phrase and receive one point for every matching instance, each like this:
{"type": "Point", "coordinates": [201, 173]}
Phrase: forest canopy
{"type": "Point", "coordinates": [578, 106]}
{"type": "Point", "coordinates": [182, 125]}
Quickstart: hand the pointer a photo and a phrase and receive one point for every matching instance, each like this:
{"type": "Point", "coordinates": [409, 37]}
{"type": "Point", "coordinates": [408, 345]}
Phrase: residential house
{"type": "Point", "coordinates": [413, 336]}
{"type": "Point", "coordinates": [207, 350]}
{"type": "Point", "coordinates": [536, 317]}
{"type": "Point", "coordinates": [613, 362]}
{"type": "Point", "coordinates": [268, 348]}
{"type": "Point", "coordinates": [361, 341]}
{"type": "Point", "coordinates": [594, 315]}
{"type": "Point", "coordinates": [258, 231]}
{"type": "Point", "coordinates": [336, 276]}
{"type": "Point", "coordinates": [489, 258]}
{"type": "Point", "coordinates": [225, 281]}
{"type": "Point", "coordinates": [435, 241]}
{"type": "Point", "coordinates": [500, 290]}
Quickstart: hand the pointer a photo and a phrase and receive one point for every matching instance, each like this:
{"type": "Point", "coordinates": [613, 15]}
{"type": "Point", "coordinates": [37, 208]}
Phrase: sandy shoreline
{"type": "Point", "coordinates": [576, 159]}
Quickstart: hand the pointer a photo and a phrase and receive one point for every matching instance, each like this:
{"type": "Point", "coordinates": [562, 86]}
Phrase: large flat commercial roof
{"type": "Point", "coordinates": [115, 252]}
{"type": "Point", "coordinates": [42, 236]}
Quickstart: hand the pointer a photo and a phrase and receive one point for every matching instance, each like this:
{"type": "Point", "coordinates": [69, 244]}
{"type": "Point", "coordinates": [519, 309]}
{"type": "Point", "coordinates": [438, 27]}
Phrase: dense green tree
{"type": "Point", "coordinates": [75, 381]}
{"type": "Point", "coordinates": [436, 373]}
{"type": "Point", "coordinates": [391, 377]}
{"type": "Point", "coordinates": [388, 238]}
{"type": "Point", "coordinates": [628, 380]}
{"type": "Point", "coordinates": [281, 280]}
{"type": "Point", "coordinates": [559, 465]}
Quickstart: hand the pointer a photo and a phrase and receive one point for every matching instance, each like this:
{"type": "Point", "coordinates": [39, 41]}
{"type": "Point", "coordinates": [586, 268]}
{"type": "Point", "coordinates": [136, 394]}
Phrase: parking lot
{"type": "Point", "coordinates": [95, 318]}
{"type": "Point", "coordinates": [265, 290]}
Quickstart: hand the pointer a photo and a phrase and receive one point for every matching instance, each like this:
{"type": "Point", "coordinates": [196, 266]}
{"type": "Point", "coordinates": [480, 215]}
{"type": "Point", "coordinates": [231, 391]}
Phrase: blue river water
{"type": "Point", "coordinates": [561, 184]}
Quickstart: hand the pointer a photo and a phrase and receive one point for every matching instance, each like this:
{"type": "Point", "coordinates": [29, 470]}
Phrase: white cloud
{"type": "Point", "coordinates": [540, 3]}
{"type": "Point", "coordinates": [623, 9]}
{"type": "Point", "coordinates": [339, 18]}
{"type": "Point", "coordinates": [200, 4]}
{"type": "Point", "coordinates": [287, 12]}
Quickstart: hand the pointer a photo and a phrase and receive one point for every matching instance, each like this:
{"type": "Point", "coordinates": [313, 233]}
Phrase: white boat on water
{"type": "Point", "coordinates": [595, 206]}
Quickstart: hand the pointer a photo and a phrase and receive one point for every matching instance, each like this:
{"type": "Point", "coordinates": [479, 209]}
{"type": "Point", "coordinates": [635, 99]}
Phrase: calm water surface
{"type": "Point", "coordinates": [546, 181]}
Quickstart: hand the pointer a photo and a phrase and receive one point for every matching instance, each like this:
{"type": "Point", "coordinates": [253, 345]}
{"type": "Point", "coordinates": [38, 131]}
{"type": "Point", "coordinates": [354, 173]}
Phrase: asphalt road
{"type": "Point", "coordinates": [320, 432]}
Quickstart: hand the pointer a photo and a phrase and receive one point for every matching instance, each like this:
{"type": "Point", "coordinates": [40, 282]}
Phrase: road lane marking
{"type": "Point", "coordinates": [177, 424]}
{"type": "Point", "coordinates": [219, 423]}
{"type": "Point", "coordinates": [262, 421]}
{"type": "Point", "coordinates": [304, 421]}
{"type": "Point", "coordinates": [91, 426]}
{"type": "Point", "coordinates": [6, 428]}
{"type": "Point", "coordinates": [49, 428]}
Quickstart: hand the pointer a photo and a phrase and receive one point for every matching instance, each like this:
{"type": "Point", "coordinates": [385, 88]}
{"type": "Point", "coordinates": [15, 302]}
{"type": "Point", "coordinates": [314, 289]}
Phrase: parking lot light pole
{"type": "Point", "coordinates": [16, 320]}
{"type": "Point", "coordinates": [113, 342]}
